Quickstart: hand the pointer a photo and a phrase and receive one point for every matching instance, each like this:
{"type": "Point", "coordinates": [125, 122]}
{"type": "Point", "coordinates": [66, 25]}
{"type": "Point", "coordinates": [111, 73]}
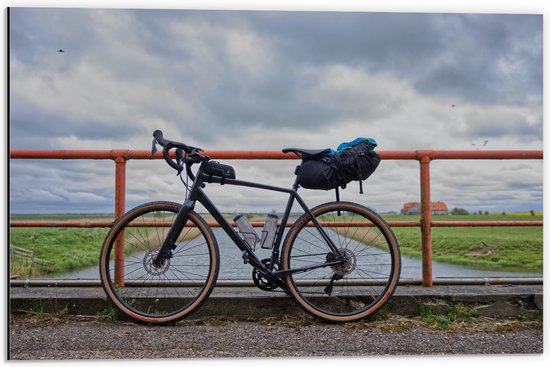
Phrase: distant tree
{"type": "Point", "coordinates": [532, 213]}
{"type": "Point", "coordinates": [474, 213]}
{"type": "Point", "coordinates": [486, 213]}
{"type": "Point", "coordinates": [459, 211]}
{"type": "Point", "coordinates": [480, 212]}
{"type": "Point", "coordinates": [503, 213]}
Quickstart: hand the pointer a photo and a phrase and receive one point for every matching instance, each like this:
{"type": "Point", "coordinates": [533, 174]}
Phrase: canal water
{"type": "Point", "coordinates": [232, 266]}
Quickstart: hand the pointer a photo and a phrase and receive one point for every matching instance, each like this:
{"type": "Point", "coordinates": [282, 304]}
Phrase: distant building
{"type": "Point", "coordinates": [410, 208]}
{"type": "Point", "coordinates": [438, 208]}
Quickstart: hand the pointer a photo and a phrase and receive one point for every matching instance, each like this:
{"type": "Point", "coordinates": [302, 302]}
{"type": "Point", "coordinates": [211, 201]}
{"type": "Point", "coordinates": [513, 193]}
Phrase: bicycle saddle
{"type": "Point", "coordinates": [309, 153]}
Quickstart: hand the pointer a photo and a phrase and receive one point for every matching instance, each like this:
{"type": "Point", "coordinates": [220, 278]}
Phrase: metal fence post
{"type": "Point", "coordinates": [120, 203]}
{"type": "Point", "coordinates": [425, 220]}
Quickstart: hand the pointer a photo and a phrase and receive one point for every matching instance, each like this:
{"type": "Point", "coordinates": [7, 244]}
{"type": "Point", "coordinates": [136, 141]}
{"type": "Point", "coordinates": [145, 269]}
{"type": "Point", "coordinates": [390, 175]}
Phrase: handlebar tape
{"type": "Point", "coordinates": [169, 144]}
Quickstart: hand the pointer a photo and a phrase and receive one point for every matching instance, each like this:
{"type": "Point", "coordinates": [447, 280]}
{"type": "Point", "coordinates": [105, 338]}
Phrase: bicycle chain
{"type": "Point", "coordinates": [282, 291]}
{"type": "Point", "coordinates": [323, 254]}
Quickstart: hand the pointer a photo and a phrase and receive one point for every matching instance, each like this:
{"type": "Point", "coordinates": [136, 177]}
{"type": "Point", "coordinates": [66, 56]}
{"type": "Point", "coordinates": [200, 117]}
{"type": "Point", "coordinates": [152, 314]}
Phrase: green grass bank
{"type": "Point", "coordinates": [514, 249]}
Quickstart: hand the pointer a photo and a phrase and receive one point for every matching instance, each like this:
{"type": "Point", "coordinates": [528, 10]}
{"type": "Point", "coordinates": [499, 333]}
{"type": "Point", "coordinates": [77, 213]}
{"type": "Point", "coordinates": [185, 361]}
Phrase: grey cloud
{"type": "Point", "coordinates": [527, 186]}
{"type": "Point", "coordinates": [265, 80]}
{"type": "Point", "coordinates": [489, 58]}
{"type": "Point", "coordinates": [488, 185]}
{"type": "Point", "coordinates": [284, 101]}
{"type": "Point", "coordinates": [35, 128]}
{"type": "Point", "coordinates": [459, 55]}
{"type": "Point", "coordinates": [54, 185]}
{"type": "Point", "coordinates": [375, 40]}
{"type": "Point", "coordinates": [439, 53]}
{"type": "Point", "coordinates": [523, 124]}
{"type": "Point", "coordinates": [32, 38]}
{"type": "Point", "coordinates": [521, 129]}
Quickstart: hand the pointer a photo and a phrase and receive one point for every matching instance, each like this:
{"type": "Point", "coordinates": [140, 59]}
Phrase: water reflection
{"type": "Point", "coordinates": [232, 265]}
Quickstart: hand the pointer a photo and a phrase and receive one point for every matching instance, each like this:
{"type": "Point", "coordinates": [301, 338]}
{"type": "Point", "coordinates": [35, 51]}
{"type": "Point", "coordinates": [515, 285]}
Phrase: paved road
{"type": "Point", "coordinates": [34, 339]}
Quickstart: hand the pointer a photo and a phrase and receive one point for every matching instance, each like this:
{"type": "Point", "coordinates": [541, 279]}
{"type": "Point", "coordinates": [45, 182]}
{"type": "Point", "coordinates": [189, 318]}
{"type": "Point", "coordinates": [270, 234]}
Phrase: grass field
{"type": "Point", "coordinates": [517, 249]}
{"type": "Point", "coordinates": [495, 248]}
{"type": "Point", "coordinates": [68, 248]}
{"type": "Point", "coordinates": [71, 249]}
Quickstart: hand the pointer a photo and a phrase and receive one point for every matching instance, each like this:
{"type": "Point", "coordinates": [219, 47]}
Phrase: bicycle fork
{"type": "Point", "coordinates": [169, 244]}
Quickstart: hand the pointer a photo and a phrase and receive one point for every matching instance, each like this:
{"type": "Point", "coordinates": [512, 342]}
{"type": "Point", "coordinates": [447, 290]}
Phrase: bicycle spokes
{"type": "Point", "coordinates": [367, 262]}
{"type": "Point", "coordinates": [164, 289]}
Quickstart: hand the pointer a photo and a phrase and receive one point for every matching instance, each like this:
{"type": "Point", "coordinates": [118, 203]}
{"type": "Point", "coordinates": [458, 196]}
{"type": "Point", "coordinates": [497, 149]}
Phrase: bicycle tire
{"type": "Point", "coordinates": [166, 294]}
{"type": "Point", "coordinates": [366, 279]}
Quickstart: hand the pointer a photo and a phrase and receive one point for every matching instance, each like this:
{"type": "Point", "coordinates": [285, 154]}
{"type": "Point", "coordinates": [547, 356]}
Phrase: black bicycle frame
{"type": "Point", "coordinates": [197, 194]}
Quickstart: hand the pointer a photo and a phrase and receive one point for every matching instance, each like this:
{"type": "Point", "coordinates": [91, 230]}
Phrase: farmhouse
{"type": "Point", "coordinates": [438, 208]}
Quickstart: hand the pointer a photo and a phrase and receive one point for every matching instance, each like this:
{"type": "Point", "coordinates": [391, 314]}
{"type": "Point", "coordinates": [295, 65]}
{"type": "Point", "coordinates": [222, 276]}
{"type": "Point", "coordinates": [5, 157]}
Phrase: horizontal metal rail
{"type": "Point", "coordinates": [274, 155]}
{"type": "Point", "coordinates": [424, 157]}
{"type": "Point", "coordinates": [397, 223]}
{"type": "Point", "coordinates": [85, 283]}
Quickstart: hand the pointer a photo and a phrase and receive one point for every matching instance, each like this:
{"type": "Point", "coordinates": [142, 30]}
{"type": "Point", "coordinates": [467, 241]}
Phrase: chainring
{"type": "Point", "coordinates": [261, 281]}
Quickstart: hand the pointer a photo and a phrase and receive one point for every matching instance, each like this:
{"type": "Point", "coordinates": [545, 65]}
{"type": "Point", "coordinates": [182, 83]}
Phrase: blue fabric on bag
{"type": "Point", "coordinates": [347, 145]}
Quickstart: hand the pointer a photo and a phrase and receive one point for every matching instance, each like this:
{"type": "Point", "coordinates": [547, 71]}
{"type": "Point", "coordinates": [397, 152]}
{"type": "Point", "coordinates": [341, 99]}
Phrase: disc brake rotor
{"type": "Point", "coordinates": [150, 267]}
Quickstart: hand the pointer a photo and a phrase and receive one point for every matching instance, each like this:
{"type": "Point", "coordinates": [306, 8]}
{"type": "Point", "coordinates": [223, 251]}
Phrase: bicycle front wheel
{"type": "Point", "coordinates": [165, 293]}
{"type": "Point", "coordinates": [367, 255]}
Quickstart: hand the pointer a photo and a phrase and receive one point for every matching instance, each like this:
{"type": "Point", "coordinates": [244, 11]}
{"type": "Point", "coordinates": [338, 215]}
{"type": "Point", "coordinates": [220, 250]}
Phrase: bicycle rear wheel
{"type": "Point", "coordinates": [158, 294]}
{"type": "Point", "coordinates": [369, 269]}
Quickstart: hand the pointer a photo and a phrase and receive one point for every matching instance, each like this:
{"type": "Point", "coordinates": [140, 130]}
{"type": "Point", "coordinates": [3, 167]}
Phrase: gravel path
{"type": "Point", "coordinates": [34, 338]}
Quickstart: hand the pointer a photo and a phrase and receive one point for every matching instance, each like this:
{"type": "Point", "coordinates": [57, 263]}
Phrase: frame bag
{"type": "Point", "coordinates": [216, 169]}
{"type": "Point", "coordinates": [353, 161]}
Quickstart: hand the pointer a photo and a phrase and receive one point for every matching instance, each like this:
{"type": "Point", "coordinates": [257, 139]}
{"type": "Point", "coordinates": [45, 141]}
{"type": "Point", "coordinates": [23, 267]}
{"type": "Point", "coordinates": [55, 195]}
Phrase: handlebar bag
{"type": "Point", "coordinates": [353, 161]}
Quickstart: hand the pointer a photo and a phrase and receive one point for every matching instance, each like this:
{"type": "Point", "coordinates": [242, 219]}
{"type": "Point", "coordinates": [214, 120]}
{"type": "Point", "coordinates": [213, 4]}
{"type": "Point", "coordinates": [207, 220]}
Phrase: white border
{"type": "Point", "coordinates": [417, 6]}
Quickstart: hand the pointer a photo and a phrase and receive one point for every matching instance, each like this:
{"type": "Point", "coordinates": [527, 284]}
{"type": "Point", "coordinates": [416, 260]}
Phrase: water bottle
{"type": "Point", "coordinates": [246, 229]}
{"type": "Point", "coordinates": [269, 231]}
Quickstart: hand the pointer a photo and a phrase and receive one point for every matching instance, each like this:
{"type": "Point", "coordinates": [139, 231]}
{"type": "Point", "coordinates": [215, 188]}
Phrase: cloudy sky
{"type": "Point", "coordinates": [268, 80]}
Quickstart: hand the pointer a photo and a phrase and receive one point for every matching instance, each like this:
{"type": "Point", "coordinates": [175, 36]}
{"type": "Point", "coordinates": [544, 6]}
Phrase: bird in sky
{"type": "Point", "coordinates": [60, 50]}
{"type": "Point", "coordinates": [482, 145]}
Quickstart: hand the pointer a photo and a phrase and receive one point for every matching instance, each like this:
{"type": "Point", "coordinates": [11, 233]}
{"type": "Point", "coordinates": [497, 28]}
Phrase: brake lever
{"type": "Point", "coordinates": [153, 149]}
{"type": "Point", "coordinates": [179, 156]}
{"type": "Point", "coordinates": [195, 153]}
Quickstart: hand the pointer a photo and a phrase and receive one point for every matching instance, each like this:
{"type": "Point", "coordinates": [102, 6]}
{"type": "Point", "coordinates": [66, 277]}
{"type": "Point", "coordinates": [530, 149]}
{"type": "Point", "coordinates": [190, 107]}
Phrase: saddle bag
{"type": "Point", "coordinates": [353, 161]}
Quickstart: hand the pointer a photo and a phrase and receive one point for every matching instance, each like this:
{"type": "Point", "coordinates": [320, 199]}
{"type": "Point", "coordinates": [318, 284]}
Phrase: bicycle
{"type": "Point", "coordinates": [340, 261]}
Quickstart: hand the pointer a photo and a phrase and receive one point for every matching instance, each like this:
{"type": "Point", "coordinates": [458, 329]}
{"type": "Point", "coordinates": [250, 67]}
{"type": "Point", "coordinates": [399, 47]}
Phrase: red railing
{"type": "Point", "coordinates": [120, 157]}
